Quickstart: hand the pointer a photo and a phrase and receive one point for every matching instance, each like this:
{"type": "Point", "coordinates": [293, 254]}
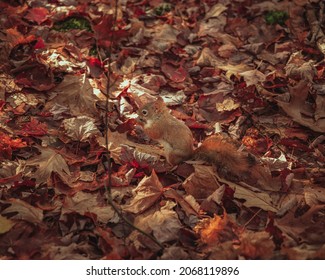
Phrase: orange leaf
{"type": "Point", "coordinates": [209, 229]}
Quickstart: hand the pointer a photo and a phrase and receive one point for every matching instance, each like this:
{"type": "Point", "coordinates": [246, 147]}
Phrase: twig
{"type": "Point", "coordinates": [108, 186]}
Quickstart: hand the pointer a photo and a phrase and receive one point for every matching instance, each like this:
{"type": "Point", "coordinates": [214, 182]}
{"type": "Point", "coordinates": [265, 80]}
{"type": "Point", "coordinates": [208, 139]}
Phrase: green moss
{"type": "Point", "coordinates": [276, 17]}
{"type": "Point", "coordinates": [73, 23]}
{"type": "Point", "coordinates": [93, 51]}
{"type": "Point", "coordinates": [162, 9]}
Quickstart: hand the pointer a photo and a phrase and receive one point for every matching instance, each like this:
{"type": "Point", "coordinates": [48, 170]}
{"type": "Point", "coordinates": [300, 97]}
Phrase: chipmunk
{"type": "Point", "coordinates": [177, 141]}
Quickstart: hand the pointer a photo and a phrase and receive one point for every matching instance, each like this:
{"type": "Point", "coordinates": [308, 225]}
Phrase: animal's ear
{"type": "Point", "coordinates": [160, 100]}
{"type": "Point", "coordinates": [159, 104]}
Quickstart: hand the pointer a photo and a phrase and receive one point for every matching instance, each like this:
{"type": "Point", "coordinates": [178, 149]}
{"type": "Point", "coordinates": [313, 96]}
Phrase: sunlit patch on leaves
{"type": "Point", "coordinates": [210, 229]}
{"type": "Point", "coordinates": [81, 128]}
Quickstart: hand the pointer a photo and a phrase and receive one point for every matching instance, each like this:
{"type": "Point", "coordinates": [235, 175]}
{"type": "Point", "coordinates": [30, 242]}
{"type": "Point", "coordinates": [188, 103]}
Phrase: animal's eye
{"type": "Point", "coordinates": [144, 112]}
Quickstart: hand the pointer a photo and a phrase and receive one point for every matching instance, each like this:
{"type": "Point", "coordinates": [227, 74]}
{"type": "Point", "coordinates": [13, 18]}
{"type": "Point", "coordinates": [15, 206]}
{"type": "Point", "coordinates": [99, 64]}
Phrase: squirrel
{"type": "Point", "coordinates": [178, 141]}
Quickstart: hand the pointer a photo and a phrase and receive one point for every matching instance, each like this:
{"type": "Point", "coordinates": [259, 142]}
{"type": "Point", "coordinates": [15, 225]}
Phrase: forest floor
{"type": "Point", "coordinates": [251, 70]}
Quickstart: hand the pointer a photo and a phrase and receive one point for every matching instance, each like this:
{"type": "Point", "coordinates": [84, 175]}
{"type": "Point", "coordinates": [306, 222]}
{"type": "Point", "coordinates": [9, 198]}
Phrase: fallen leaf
{"type": "Point", "coordinates": [164, 223]}
{"type": "Point", "coordinates": [146, 194]}
{"type": "Point", "coordinates": [48, 161]}
{"type": "Point", "coordinates": [81, 128]}
{"type": "Point", "coordinates": [38, 15]}
{"type": "Point", "coordinates": [21, 210]}
{"type": "Point", "coordinates": [299, 110]}
{"type": "Point", "coordinates": [210, 229]}
{"type": "Point", "coordinates": [87, 204]}
{"type": "Point", "coordinates": [202, 183]}
{"type": "Point", "coordinates": [76, 93]}
{"type": "Point", "coordinates": [256, 245]}
{"type": "Point", "coordinates": [253, 77]}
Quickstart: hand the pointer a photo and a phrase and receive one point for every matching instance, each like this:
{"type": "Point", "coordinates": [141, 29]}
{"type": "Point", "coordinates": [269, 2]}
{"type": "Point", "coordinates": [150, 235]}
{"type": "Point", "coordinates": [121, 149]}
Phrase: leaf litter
{"type": "Point", "coordinates": [252, 70]}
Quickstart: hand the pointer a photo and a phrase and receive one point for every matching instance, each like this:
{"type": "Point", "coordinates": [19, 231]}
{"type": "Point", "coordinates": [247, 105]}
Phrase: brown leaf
{"type": "Point", "coordinates": [49, 161]}
{"type": "Point", "coordinates": [253, 197]}
{"type": "Point", "coordinates": [164, 223]}
{"type": "Point", "coordinates": [188, 203]}
{"type": "Point", "coordinates": [202, 183]}
{"type": "Point", "coordinates": [21, 210]}
{"type": "Point", "coordinates": [299, 110]}
{"type": "Point", "coordinates": [76, 93]}
{"type": "Point", "coordinates": [88, 203]}
{"type": "Point", "coordinates": [146, 193]}
{"type": "Point", "coordinates": [308, 228]}
{"type": "Point", "coordinates": [80, 128]}
{"type": "Point", "coordinates": [256, 245]}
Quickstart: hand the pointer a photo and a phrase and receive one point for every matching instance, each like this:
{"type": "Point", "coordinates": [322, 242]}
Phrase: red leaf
{"type": "Point", "coordinates": [7, 145]}
{"type": "Point", "coordinates": [38, 15]}
{"type": "Point", "coordinates": [177, 75]}
{"type": "Point", "coordinates": [34, 75]}
{"type": "Point", "coordinates": [104, 32]}
{"type": "Point", "coordinates": [40, 44]}
{"type": "Point", "coordinates": [34, 128]}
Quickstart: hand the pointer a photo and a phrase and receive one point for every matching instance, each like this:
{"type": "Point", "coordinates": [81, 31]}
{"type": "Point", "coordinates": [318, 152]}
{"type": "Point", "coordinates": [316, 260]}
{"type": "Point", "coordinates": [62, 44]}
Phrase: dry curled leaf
{"type": "Point", "coordinates": [48, 161]}
{"type": "Point", "coordinates": [22, 210]}
{"type": "Point", "coordinates": [146, 194]}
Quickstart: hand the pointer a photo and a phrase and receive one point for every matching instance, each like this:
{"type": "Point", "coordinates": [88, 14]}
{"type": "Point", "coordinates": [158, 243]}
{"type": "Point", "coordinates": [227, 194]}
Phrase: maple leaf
{"type": "Point", "coordinates": [164, 222]}
{"type": "Point", "coordinates": [298, 68]}
{"type": "Point", "coordinates": [215, 11]}
{"type": "Point", "coordinates": [80, 128]}
{"type": "Point", "coordinates": [235, 70]}
{"type": "Point", "coordinates": [21, 210]}
{"type": "Point", "coordinates": [33, 74]}
{"type": "Point", "coordinates": [87, 204]}
{"type": "Point", "coordinates": [13, 143]}
{"type": "Point", "coordinates": [146, 193]}
{"type": "Point", "coordinates": [299, 110]}
{"type": "Point", "coordinates": [307, 228]}
{"type": "Point", "coordinates": [164, 37]}
{"type": "Point", "coordinates": [34, 128]}
{"type": "Point", "coordinates": [73, 251]}
{"type": "Point", "coordinates": [202, 183]}
{"type": "Point", "coordinates": [175, 253]}
{"type": "Point", "coordinates": [253, 77]}
{"type": "Point", "coordinates": [188, 203]}
{"type": "Point", "coordinates": [104, 31]}
{"type": "Point", "coordinates": [76, 93]}
{"type": "Point", "coordinates": [209, 229]}
{"type": "Point", "coordinates": [38, 15]}
{"type": "Point", "coordinates": [7, 145]}
{"type": "Point", "coordinates": [48, 161]}
{"type": "Point", "coordinates": [228, 104]}
{"type": "Point", "coordinates": [208, 58]}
